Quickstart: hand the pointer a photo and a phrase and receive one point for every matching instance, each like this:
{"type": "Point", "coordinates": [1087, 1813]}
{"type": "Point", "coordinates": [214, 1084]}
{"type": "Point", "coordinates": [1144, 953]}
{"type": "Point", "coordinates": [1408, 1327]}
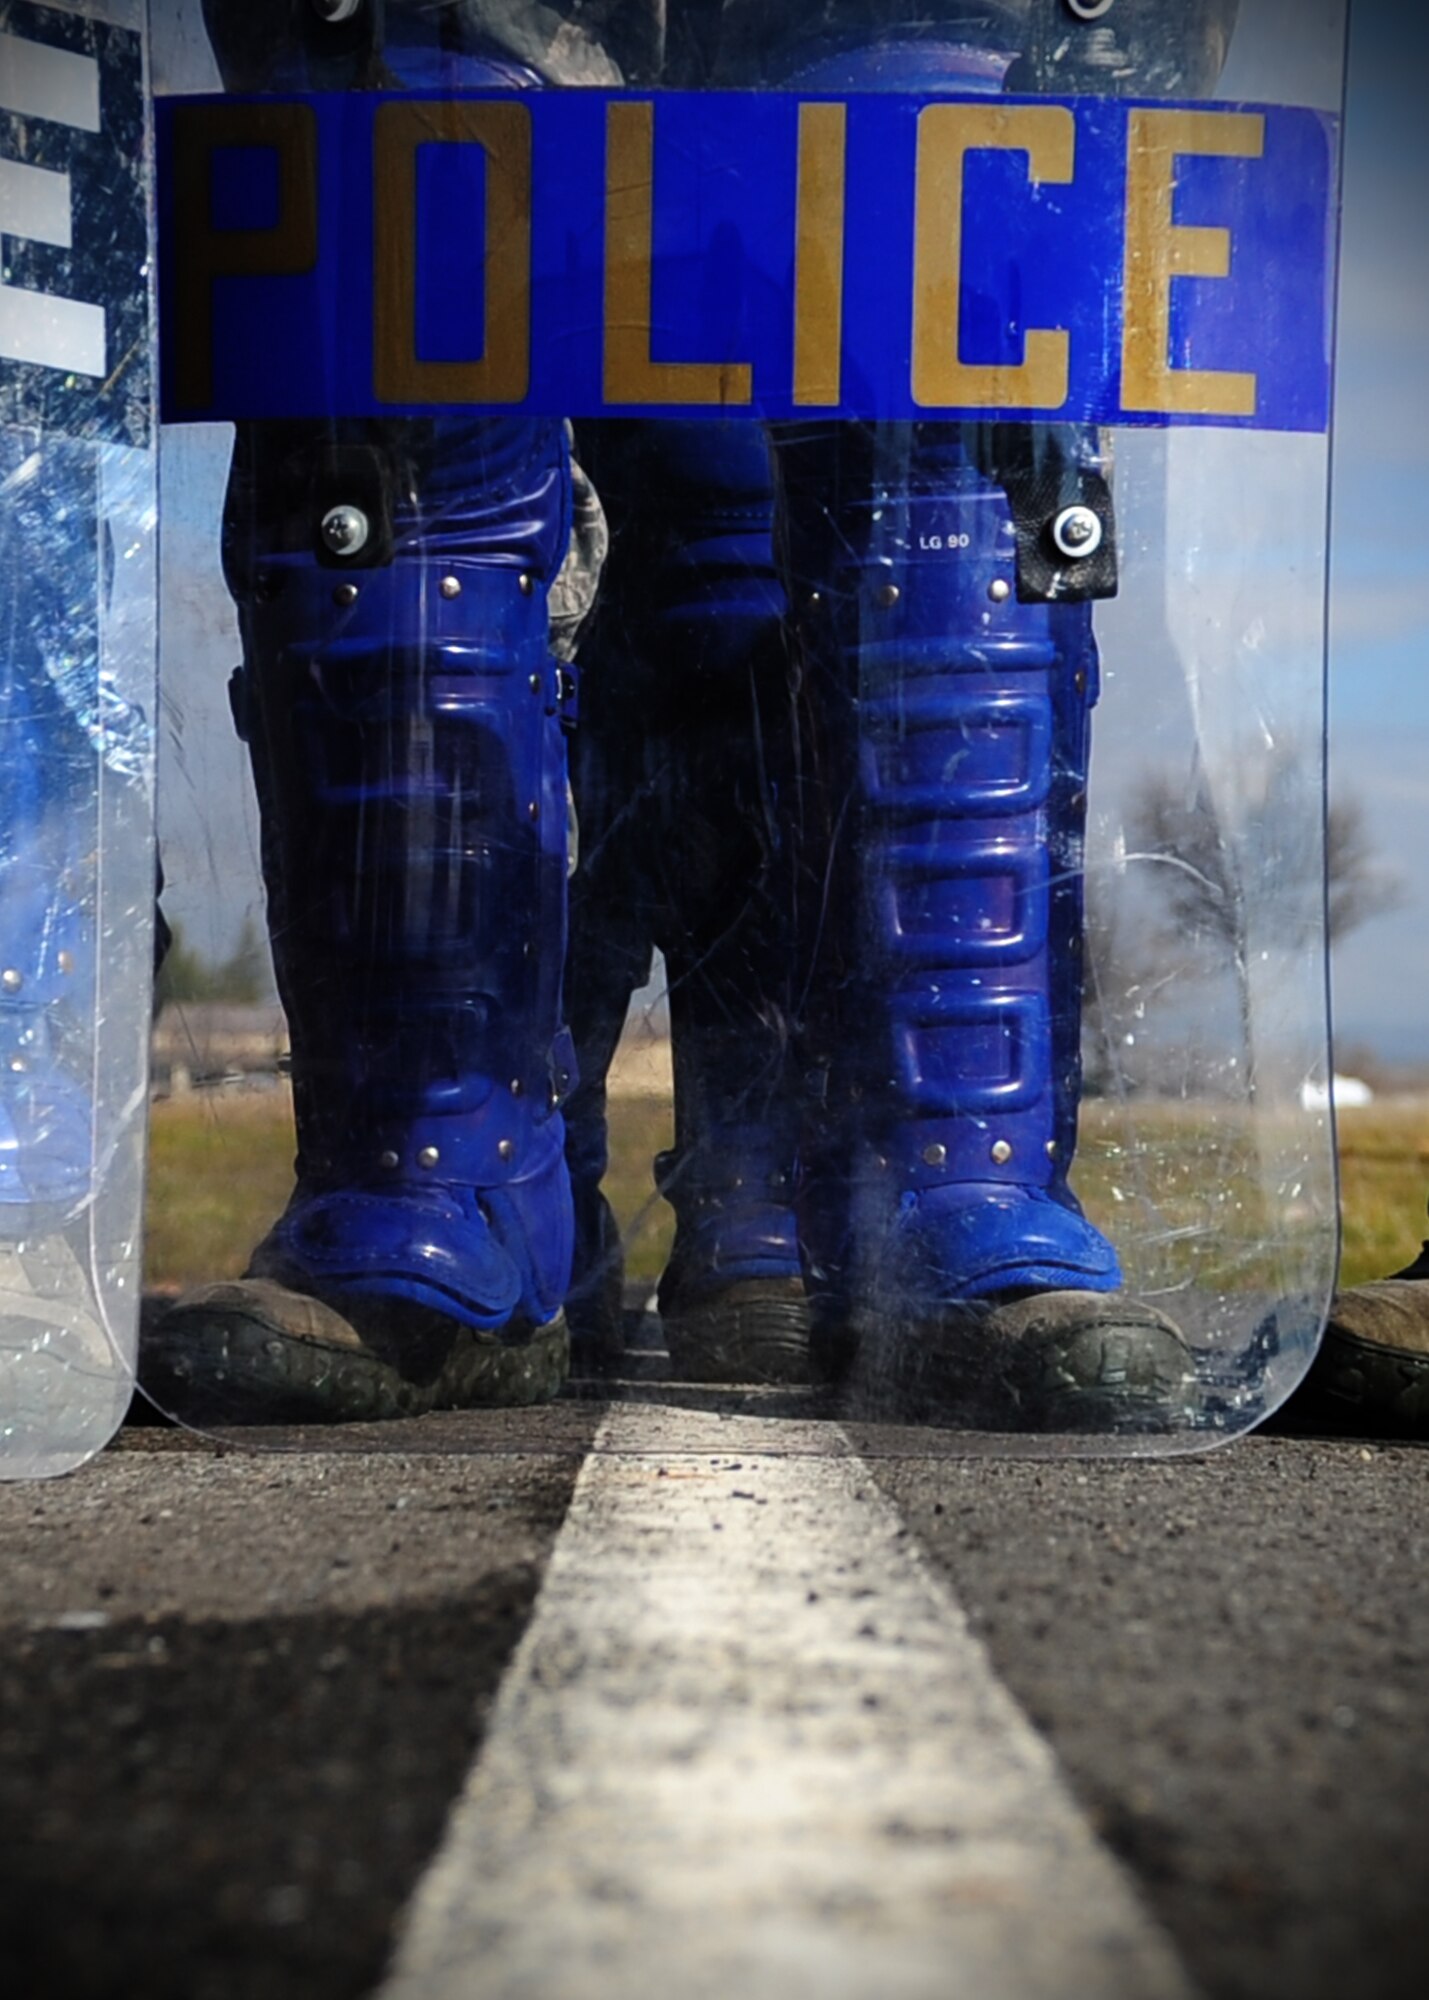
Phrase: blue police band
{"type": "Point", "coordinates": [891, 255]}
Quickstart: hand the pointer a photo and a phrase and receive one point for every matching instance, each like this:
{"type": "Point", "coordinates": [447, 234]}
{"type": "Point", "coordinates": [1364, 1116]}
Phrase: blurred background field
{"type": "Point", "coordinates": [1384, 1178]}
{"type": "Point", "coordinates": [221, 1168]}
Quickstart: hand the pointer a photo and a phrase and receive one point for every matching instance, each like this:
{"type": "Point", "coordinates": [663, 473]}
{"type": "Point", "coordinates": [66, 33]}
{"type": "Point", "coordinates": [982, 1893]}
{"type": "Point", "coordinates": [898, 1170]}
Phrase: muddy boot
{"type": "Point", "coordinates": [1372, 1372]}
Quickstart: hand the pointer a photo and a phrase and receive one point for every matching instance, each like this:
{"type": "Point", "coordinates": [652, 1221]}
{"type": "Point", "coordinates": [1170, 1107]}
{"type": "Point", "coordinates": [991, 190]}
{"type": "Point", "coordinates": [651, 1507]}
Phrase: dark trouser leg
{"type": "Point", "coordinates": [680, 779]}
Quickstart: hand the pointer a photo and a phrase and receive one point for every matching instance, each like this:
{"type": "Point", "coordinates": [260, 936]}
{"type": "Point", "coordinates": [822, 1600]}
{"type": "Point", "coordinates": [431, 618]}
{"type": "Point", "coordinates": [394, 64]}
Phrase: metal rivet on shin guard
{"type": "Point", "coordinates": [428, 1158]}
{"type": "Point", "coordinates": [507, 1149]}
{"type": "Point", "coordinates": [533, 811]}
{"type": "Point", "coordinates": [12, 981]}
{"type": "Point", "coordinates": [999, 590]}
{"type": "Point", "coordinates": [336, 11]}
{"type": "Point", "coordinates": [388, 1162]}
{"type": "Point", "coordinates": [1051, 1149]}
{"type": "Point", "coordinates": [450, 586]}
{"type": "Point", "coordinates": [889, 596]}
{"type": "Point", "coordinates": [935, 1156]}
{"type": "Point", "coordinates": [815, 600]}
{"type": "Point", "coordinates": [19, 1066]}
{"type": "Point", "coordinates": [1089, 10]}
{"type": "Point", "coordinates": [536, 683]}
{"type": "Point", "coordinates": [345, 594]}
{"type": "Point", "coordinates": [518, 1088]}
{"type": "Point", "coordinates": [65, 962]}
{"type": "Point", "coordinates": [1079, 681]}
{"type": "Point", "coordinates": [527, 583]}
{"type": "Point", "coordinates": [1001, 1153]}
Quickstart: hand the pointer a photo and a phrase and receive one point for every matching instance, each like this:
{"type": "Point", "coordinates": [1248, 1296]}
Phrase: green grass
{"type": "Point", "coordinates": [1384, 1177]}
{"type": "Point", "coordinates": [220, 1171]}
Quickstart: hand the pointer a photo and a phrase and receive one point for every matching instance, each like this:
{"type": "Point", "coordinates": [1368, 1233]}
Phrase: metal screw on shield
{"type": "Point", "coordinates": [1089, 10]}
{"type": "Point", "coordinates": [346, 530]}
{"type": "Point", "coordinates": [1077, 533]}
{"type": "Point", "coordinates": [334, 11]}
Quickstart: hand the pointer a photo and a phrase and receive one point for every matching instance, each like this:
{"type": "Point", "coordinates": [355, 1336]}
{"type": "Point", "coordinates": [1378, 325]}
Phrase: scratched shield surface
{"type": "Point", "coordinates": [838, 927]}
{"type": "Point", "coordinates": [78, 612]}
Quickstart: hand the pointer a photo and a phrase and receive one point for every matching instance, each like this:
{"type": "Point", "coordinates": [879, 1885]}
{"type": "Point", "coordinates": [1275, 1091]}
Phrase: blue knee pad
{"type": "Point", "coordinates": [405, 723]}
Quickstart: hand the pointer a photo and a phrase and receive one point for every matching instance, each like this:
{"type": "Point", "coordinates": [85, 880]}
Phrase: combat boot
{"type": "Point", "coordinates": [1372, 1370]}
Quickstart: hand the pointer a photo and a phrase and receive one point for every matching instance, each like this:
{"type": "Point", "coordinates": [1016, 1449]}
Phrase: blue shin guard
{"type": "Point", "coordinates": [941, 579]}
{"type": "Point", "coordinates": [949, 696]}
{"type": "Point", "coordinates": [680, 777]}
{"type": "Point", "coordinates": [46, 957]}
{"type": "Point", "coordinates": [404, 718]}
{"type": "Point", "coordinates": [406, 724]}
{"type": "Point", "coordinates": [64, 730]}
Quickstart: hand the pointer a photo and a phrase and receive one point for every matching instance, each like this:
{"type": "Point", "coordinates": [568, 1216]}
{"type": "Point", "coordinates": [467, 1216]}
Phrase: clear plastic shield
{"type": "Point", "coordinates": [775, 570]}
{"type": "Point", "coordinates": [78, 608]}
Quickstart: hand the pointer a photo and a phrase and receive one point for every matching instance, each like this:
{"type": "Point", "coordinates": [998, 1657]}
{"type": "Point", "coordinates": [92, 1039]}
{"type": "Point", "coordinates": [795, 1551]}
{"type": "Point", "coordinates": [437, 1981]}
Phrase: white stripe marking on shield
{"type": "Point", "coordinates": [40, 82]}
{"type": "Point", "coordinates": [36, 203]}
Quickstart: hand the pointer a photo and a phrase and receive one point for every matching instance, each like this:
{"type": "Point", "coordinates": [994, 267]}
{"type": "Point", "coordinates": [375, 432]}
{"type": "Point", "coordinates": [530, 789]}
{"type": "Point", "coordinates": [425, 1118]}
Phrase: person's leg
{"type": "Point", "coordinates": [403, 715]}
{"type": "Point", "coordinates": [949, 670]}
{"type": "Point", "coordinates": [941, 867]}
{"type": "Point", "coordinates": [731, 1297]}
{"type": "Point", "coordinates": [680, 767]}
{"type": "Point", "coordinates": [399, 588]}
{"type": "Point", "coordinates": [613, 916]}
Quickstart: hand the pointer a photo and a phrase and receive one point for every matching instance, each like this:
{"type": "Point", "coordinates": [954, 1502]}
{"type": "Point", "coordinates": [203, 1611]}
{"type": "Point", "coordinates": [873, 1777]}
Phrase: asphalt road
{"type": "Point", "coordinates": [239, 1692]}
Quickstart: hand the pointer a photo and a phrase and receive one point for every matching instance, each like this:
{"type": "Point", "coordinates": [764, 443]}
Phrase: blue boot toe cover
{"type": "Point", "coordinates": [457, 1253]}
{"type": "Point", "coordinates": [970, 1242]}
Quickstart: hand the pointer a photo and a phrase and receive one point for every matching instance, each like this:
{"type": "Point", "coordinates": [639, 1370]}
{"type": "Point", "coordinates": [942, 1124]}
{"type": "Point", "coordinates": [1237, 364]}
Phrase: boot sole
{"type": "Point", "coordinates": [1079, 1363]}
{"type": "Point", "coordinates": [1359, 1378]}
{"type": "Point", "coordinates": [238, 1354]}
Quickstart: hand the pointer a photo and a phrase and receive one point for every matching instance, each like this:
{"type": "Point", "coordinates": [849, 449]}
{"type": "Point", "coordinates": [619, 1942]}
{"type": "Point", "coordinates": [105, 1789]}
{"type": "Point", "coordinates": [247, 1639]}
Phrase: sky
{"type": "Point", "coordinates": [1379, 654]}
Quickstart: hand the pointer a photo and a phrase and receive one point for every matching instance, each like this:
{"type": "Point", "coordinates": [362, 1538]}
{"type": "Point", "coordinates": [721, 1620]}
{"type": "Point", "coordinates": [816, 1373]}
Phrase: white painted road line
{"type": "Point", "coordinates": [748, 1747]}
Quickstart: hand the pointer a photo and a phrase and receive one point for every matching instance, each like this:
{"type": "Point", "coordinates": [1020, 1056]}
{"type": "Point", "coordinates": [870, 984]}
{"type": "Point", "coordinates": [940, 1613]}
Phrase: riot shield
{"type": "Point", "coordinates": [678, 533]}
{"type": "Point", "coordinates": [78, 459]}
